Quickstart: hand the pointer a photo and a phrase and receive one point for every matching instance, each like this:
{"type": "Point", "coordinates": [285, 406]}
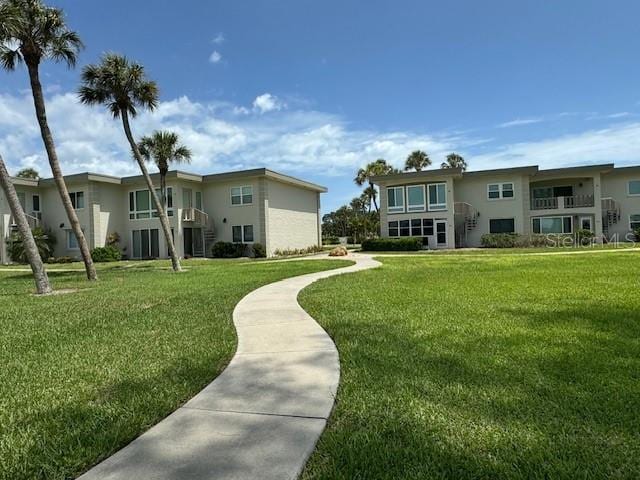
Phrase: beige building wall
{"type": "Point", "coordinates": [473, 189]}
{"type": "Point", "coordinates": [616, 186]}
{"type": "Point", "coordinates": [291, 217]}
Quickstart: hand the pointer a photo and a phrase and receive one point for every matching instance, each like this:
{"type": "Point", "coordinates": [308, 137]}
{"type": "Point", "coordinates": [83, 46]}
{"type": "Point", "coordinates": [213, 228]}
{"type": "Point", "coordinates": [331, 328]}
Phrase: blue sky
{"type": "Point", "coordinates": [316, 89]}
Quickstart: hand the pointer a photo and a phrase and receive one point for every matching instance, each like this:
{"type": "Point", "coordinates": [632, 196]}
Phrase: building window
{"type": "Point", "coordinates": [72, 241]}
{"type": "Point", "coordinates": [416, 227]}
{"type": "Point", "coordinates": [393, 229]}
{"type": "Point", "coordinates": [141, 204]}
{"type": "Point", "coordinates": [586, 223]}
{"type": "Point", "coordinates": [199, 200]}
{"type": "Point", "coordinates": [437, 196]}
{"type": "Point", "coordinates": [242, 233]}
{"type": "Point", "coordinates": [405, 230]}
{"type": "Point", "coordinates": [552, 225]}
{"type": "Point", "coordinates": [634, 222]}
{"type": "Point", "coordinates": [502, 225]}
{"type": "Point", "coordinates": [496, 191]}
{"type": "Point", "coordinates": [77, 200]}
{"type": "Point", "coordinates": [395, 199]}
{"type": "Point", "coordinates": [634, 187]}
{"type": "Point", "coordinates": [415, 198]}
{"type": "Point", "coordinates": [146, 243]}
{"type": "Point", "coordinates": [427, 226]}
{"type": "Point", "coordinates": [35, 200]}
{"type": "Point", "coordinates": [242, 195]}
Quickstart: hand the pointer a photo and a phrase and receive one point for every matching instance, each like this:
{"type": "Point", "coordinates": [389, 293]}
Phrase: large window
{"type": "Point", "coordinates": [146, 243]}
{"type": "Point", "coordinates": [415, 227]}
{"type": "Point", "coordinates": [634, 222]}
{"type": "Point", "coordinates": [242, 233]}
{"type": "Point", "coordinates": [634, 187]}
{"type": "Point", "coordinates": [497, 191]}
{"type": "Point", "coordinates": [77, 200]}
{"type": "Point", "coordinates": [72, 240]}
{"type": "Point", "coordinates": [141, 204]}
{"type": "Point", "coordinates": [552, 225]}
{"type": "Point", "coordinates": [242, 195]}
{"type": "Point", "coordinates": [502, 225]}
{"type": "Point", "coordinates": [415, 198]}
{"type": "Point", "coordinates": [395, 199]}
{"type": "Point", "coordinates": [35, 199]}
{"type": "Point", "coordinates": [199, 200]}
{"type": "Point", "coordinates": [437, 196]}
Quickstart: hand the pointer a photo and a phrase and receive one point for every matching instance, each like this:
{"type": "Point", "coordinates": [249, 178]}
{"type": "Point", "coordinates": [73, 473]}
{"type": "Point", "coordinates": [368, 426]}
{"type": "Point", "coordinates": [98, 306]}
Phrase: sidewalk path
{"type": "Point", "coordinates": [262, 416]}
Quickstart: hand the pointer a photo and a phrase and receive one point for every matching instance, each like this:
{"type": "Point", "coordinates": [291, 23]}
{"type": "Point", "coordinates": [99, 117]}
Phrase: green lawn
{"type": "Point", "coordinates": [492, 366]}
{"type": "Point", "coordinates": [85, 373]}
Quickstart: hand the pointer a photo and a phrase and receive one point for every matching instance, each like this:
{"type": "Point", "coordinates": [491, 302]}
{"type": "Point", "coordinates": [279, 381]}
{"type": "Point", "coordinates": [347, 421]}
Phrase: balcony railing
{"type": "Point", "coordinates": [194, 215]}
{"type": "Point", "coordinates": [34, 220]}
{"type": "Point", "coordinates": [554, 203]}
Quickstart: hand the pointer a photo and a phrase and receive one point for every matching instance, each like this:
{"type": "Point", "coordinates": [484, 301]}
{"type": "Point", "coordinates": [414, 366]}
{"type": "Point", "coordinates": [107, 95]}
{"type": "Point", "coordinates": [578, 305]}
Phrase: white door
{"type": "Point", "coordinates": [441, 233]}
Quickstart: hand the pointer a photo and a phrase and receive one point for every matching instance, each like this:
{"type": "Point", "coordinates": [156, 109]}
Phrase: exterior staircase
{"type": "Point", "coordinates": [610, 214]}
{"type": "Point", "coordinates": [209, 240]}
{"type": "Point", "coordinates": [466, 219]}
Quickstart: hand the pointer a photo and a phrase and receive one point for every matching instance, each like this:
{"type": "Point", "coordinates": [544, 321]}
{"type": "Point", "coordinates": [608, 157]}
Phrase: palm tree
{"type": "Point", "coordinates": [417, 160]}
{"type": "Point", "coordinates": [163, 149]}
{"type": "Point", "coordinates": [30, 33]}
{"type": "Point", "coordinates": [31, 250]}
{"type": "Point", "coordinates": [454, 161]}
{"type": "Point", "coordinates": [379, 167]}
{"type": "Point", "coordinates": [122, 87]}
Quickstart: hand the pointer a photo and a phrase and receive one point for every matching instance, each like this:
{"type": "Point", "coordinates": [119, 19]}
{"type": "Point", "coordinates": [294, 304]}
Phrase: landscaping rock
{"type": "Point", "coordinates": [339, 251]}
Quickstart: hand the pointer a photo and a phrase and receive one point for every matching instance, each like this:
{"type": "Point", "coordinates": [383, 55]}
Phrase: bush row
{"type": "Point", "coordinates": [410, 244]}
{"type": "Point", "coordinates": [109, 253]}
{"type": "Point", "coordinates": [298, 251]}
{"type": "Point", "coordinates": [514, 240]}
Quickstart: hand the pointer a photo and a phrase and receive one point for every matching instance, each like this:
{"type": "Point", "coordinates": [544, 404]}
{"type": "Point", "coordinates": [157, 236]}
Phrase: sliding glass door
{"type": "Point", "coordinates": [146, 243]}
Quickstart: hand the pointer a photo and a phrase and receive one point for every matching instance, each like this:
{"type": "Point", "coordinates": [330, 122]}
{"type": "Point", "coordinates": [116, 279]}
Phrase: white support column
{"type": "Point", "coordinates": [597, 203]}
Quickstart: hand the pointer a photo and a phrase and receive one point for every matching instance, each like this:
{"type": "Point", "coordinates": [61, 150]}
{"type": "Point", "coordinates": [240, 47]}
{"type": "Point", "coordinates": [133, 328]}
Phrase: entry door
{"type": "Point", "coordinates": [187, 234]}
{"type": "Point", "coordinates": [441, 233]}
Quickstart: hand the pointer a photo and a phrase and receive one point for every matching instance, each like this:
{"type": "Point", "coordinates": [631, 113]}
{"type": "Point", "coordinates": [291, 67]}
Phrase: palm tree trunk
{"type": "Point", "coordinates": [163, 188]}
{"type": "Point", "coordinates": [43, 286]}
{"type": "Point", "coordinates": [47, 138]}
{"type": "Point", "coordinates": [373, 198]}
{"type": "Point", "coordinates": [162, 215]}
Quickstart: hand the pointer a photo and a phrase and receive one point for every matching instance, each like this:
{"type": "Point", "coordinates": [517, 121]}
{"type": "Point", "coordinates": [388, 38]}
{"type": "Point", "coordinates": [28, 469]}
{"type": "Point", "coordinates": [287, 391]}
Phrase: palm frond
{"type": "Point", "coordinates": [9, 58]}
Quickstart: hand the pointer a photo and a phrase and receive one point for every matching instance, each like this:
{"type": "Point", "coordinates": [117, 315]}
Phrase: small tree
{"type": "Point", "coordinates": [28, 173]}
{"type": "Point", "coordinates": [379, 167]}
{"type": "Point", "coordinates": [44, 241]}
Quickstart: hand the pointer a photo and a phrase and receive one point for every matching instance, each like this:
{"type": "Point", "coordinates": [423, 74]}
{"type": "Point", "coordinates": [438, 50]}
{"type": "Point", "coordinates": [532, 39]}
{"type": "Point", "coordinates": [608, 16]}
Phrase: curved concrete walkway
{"type": "Point", "coordinates": [262, 416]}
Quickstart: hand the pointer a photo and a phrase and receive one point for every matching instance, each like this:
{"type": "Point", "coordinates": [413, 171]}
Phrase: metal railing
{"type": "Point", "coordinates": [194, 215]}
{"type": "Point", "coordinates": [553, 203]}
{"type": "Point", "coordinates": [34, 220]}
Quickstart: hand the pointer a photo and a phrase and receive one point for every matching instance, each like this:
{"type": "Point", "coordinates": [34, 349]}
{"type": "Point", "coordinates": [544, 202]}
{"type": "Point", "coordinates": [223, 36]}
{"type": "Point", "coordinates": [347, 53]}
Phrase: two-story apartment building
{"type": "Point", "coordinates": [449, 208]}
{"type": "Point", "coordinates": [250, 206]}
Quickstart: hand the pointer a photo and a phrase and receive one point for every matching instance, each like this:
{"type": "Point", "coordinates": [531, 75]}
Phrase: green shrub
{"type": "Point", "coordinates": [228, 250]}
{"type": "Point", "coordinates": [500, 240]}
{"type": "Point", "coordinates": [636, 234]}
{"type": "Point", "coordinates": [61, 260]}
{"type": "Point", "coordinates": [106, 254]}
{"type": "Point", "coordinates": [410, 244]}
{"type": "Point", "coordinates": [45, 242]}
{"type": "Point", "coordinates": [286, 252]}
{"type": "Point", "coordinates": [331, 241]}
{"type": "Point", "coordinates": [584, 237]}
{"type": "Point", "coordinates": [259, 251]}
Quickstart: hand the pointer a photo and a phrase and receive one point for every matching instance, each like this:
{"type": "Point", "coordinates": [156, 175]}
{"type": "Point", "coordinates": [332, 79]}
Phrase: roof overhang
{"type": "Point", "coordinates": [264, 173]}
{"type": "Point", "coordinates": [427, 175]}
{"type": "Point", "coordinates": [526, 170]}
{"type": "Point", "coordinates": [568, 172]}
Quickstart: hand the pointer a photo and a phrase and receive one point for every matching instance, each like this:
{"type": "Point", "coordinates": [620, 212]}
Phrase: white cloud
{"type": "Point", "coordinates": [215, 57]}
{"type": "Point", "coordinates": [219, 39]}
{"type": "Point", "coordinates": [305, 142]}
{"type": "Point", "coordinates": [520, 121]}
{"type": "Point", "coordinates": [267, 103]}
{"type": "Point", "coordinates": [619, 115]}
{"type": "Point", "coordinates": [618, 144]}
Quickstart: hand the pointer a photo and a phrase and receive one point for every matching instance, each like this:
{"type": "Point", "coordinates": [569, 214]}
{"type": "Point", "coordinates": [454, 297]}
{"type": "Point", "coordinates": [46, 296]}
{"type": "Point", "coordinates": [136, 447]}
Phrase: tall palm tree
{"type": "Point", "coordinates": [33, 32]}
{"type": "Point", "coordinates": [31, 250]}
{"type": "Point", "coordinates": [123, 87]}
{"type": "Point", "coordinates": [417, 160]}
{"type": "Point", "coordinates": [378, 167]}
{"type": "Point", "coordinates": [163, 149]}
{"type": "Point", "coordinates": [454, 161]}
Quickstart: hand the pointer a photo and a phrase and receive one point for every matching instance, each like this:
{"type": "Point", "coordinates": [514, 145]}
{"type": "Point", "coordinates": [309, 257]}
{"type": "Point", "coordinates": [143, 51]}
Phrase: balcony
{"type": "Point", "coordinates": [556, 203]}
{"type": "Point", "coordinates": [195, 216]}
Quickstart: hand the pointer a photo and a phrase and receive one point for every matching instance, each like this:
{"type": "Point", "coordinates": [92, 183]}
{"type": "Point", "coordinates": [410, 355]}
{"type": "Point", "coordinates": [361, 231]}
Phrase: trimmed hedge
{"type": "Point", "coordinates": [259, 251]}
{"type": "Point", "coordinates": [410, 244]}
{"type": "Point", "coordinates": [228, 250]}
{"type": "Point", "coordinates": [106, 254]}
